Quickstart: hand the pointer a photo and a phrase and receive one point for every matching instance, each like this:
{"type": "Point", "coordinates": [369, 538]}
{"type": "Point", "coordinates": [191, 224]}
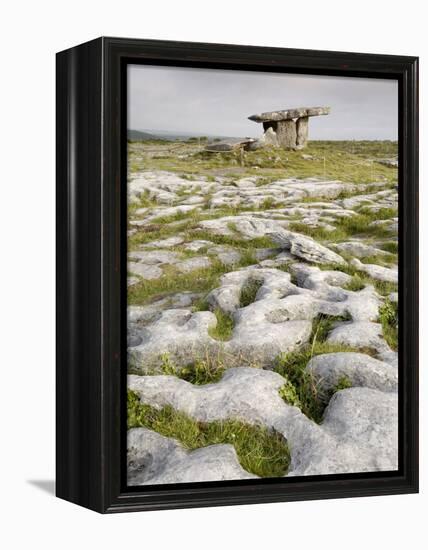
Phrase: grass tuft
{"type": "Point", "coordinates": [249, 292]}
{"type": "Point", "coordinates": [342, 384]}
{"type": "Point", "coordinates": [390, 246]}
{"type": "Point", "coordinates": [388, 317]}
{"type": "Point", "coordinates": [224, 328]}
{"type": "Point", "coordinates": [323, 324]}
{"type": "Point", "coordinates": [204, 370]}
{"type": "Point", "coordinates": [356, 283]}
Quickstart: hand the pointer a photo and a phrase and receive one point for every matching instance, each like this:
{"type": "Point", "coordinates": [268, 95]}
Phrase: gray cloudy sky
{"type": "Point", "coordinates": [218, 102]}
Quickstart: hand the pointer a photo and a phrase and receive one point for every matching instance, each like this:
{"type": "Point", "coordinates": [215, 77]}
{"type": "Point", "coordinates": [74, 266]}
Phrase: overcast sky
{"type": "Point", "coordinates": [218, 102]}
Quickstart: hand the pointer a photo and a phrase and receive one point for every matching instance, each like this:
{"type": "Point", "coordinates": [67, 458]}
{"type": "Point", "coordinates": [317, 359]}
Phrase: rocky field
{"type": "Point", "coordinates": [262, 316]}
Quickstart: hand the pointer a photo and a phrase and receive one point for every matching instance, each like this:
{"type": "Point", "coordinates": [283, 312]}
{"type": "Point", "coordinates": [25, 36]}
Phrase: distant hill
{"type": "Point", "coordinates": [138, 135]}
{"type": "Point", "coordinates": [168, 135]}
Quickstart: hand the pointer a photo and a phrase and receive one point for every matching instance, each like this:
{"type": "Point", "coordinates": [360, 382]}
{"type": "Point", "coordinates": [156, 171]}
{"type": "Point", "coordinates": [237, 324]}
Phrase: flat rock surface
{"type": "Point", "coordinates": [357, 368]}
{"type": "Point", "coordinates": [154, 459]}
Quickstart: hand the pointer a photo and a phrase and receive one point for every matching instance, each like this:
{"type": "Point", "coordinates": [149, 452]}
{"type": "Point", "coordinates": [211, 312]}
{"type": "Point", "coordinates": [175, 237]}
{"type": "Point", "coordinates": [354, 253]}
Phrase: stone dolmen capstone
{"type": "Point", "coordinates": [290, 125]}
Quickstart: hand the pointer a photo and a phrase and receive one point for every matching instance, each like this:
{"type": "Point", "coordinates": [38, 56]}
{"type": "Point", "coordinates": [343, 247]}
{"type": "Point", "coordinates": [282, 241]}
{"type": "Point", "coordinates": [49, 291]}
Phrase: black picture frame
{"type": "Point", "coordinates": [91, 274]}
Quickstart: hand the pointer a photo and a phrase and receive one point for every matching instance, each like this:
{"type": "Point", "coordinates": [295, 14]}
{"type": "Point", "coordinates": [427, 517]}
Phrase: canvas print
{"type": "Point", "coordinates": [262, 275]}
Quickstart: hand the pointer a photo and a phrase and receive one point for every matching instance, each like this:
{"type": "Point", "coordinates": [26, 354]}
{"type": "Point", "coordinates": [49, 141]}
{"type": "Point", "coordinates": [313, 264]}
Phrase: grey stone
{"type": "Point", "coordinates": [361, 305]}
{"type": "Point", "coordinates": [267, 328]}
{"type": "Point", "coordinates": [250, 227]}
{"type": "Point", "coordinates": [367, 419]}
{"type": "Point", "coordinates": [228, 145]}
{"type": "Point", "coordinates": [360, 250]}
{"type": "Point", "coordinates": [145, 271]}
{"type": "Point", "coordinates": [154, 459]}
{"type": "Point", "coordinates": [198, 262]}
{"type": "Point", "coordinates": [268, 139]}
{"type": "Point", "coordinates": [273, 284]}
{"type": "Point", "coordinates": [393, 297]}
{"type": "Point", "coordinates": [150, 312]}
{"type": "Point", "coordinates": [165, 243]}
{"type": "Point", "coordinates": [153, 257]}
{"type": "Point", "coordinates": [359, 434]}
{"type": "Point", "coordinates": [393, 163]}
{"type": "Point", "coordinates": [195, 246]}
{"type": "Point", "coordinates": [246, 394]}
{"type": "Point", "coordinates": [289, 114]}
{"type": "Point", "coordinates": [376, 271]}
{"type": "Point", "coordinates": [265, 253]}
{"type": "Point", "coordinates": [131, 281]}
{"type": "Point", "coordinates": [177, 332]}
{"type": "Point", "coordinates": [361, 334]}
{"type": "Point", "coordinates": [192, 200]}
{"type": "Point", "coordinates": [306, 248]}
{"type": "Point", "coordinates": [286, 133]}
{"type": "Point", "coordinates": [226, 255]}
{"type": "Point", "coordinates": [302, 125]}
{"type": "Point", "coordinates": [358, 368]}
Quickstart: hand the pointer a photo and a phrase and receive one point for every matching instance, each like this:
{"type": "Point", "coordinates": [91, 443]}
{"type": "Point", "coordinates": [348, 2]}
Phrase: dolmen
{"type": "Point", "coordinates": [288, 128]}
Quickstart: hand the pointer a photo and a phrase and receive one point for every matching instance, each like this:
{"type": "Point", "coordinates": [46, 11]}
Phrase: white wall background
{"type": "Point", "coordinates": [30, 33]}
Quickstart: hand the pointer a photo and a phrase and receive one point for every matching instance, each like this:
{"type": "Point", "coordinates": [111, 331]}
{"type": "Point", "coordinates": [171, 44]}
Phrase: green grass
{"type": "Point", "coordinates": [380, 259]}
{"type": "Point", "coordinates": [390, 246]}
{"type": "Point", "coordinates": [360, 279]}
{"type": "Point", "coordinates": [249, 292]}
{"type": "Point", "coordinates": [358, 224]}
{"type": "Point", "coordinates": [231, 240]}
{"type": "Point", "coordinates": [289, 394]}
{"type": "Point", "coordinates": [154, 232]}
{"type": "Point", "coordinates": [323, 324]}
{"type": "Point", "coordinates": [268, 203]}
{"type": "Point", "coordinates": [380, 214]}
{"type": "Point", "coordinates": [318, 233]}
{"type": "Point", "coordinates": [198, 280]}
{"type": "Point", "coordinates": [342, 384]}
{"type": "Point", "coordinates": [356, 284]}
{"type": "Point", "coordinates": [224, 328]}
{"type": "Point", "coordinates": [205, 370]}
{"type": "Point", "coordinates": [144, 201]}
{"type": "Point", "coordinates": [260, 451]}
{"type": "Point", "coordinates": [190, 216]}
{"type": "Point", "coordinates": [348, 161]}
{"type": "Point", "coordinates": [388, 317]}
{"type": "Point", "coordinates": [301, 389]}
{"type": "Point", "coordinates": [385, 288]}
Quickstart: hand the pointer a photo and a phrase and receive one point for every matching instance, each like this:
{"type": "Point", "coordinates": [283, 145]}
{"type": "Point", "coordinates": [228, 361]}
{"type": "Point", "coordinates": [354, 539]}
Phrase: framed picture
{"type": "Point", "coordinates": [237, 283]}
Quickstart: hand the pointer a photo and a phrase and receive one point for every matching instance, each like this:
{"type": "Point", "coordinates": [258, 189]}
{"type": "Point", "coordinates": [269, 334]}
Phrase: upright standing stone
{"type": "Point", "coordinates": [286, 133]}
{"type": "Point", "coordinates": [302, 127]}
